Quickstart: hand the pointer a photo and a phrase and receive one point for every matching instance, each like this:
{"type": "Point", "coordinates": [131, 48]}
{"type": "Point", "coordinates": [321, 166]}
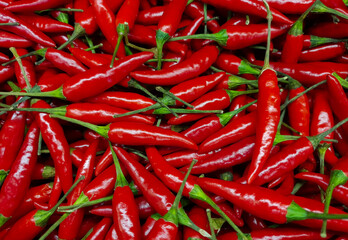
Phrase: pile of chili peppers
{"type": "Point", "coordinates": [173, 119]}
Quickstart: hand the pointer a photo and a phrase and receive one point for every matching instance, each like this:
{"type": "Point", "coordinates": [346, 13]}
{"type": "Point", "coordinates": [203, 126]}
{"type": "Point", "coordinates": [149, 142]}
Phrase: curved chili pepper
{"type": "Point", "coordinates": [291, 156]}
{"type": "Point", "coordinates": [235, 130]}
{"type": "Point", "coordinates": [100, 230]}
{"type": "Point", "coordinates": [46, 24]}
{"type": "Point", "coordinates": [150, 16]}
{"type": "Point", "coordinates": [33, 5]}
{"type": "Point", "coordinates": [24, 30]}
{"type": "Point", "coordinates": [229, 156]}
{"type": "Point", "coordinates": [323, 52]}
{"type": "Point", "coordinates": [53, 135]}
{"type": "Point", "coordinates": [86, 18]}
{"type": "Point", "coordinates": [17, 182]}
{"type": "Point", "coordinates": [195, 65]}
{"type": "Point", "coordinates": [8, 40]}
{"type": "Point", "coordinates": [91, 59]}
{"type": "Point", "coordinates": [234, 65]}
{"type": "Point", "coordinates": [280, 233]}
{"type": "Point", "coordinates": [11, 135]}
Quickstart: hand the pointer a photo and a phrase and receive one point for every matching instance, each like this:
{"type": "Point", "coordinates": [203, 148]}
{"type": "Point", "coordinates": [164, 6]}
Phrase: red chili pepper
{"type": "Point", "coordinates": [33, 223]}
{"type": "Point", "coordinates": [91, 59]}
{"type": "Point", "coordinates": [100, 230]}
{"type": "Point", "coordinates": [24, 30]}
{"type": "Point", "coordinates": [192, 67]}
{"type": "Point", "coordinates": [8, 40]}
{"type": "Point", "coordinates": [323, 52]}
{"type": "Point", "coordinates": [232, 64]}
{"type": "Point", "coordinates": [291, 156]}
{"type": "Point", "coordinates": [29, 71]}
{"type": "Point", "coordinates": [280, 233]}
{"type": "Point", "coordinates": [46, 24]}
{"type": "Point", "coordinates": [338, 99]}
{"type": "Point", "coordinates": [150, 16]}
{"type": "Point", "coordinates": [184, 157]}
{"type": "Point", "coordinates": [198, 216]}
{"type": "Point", "coordinates": [53, 135]}
{"type": "Point", "coordinates": [86, 18]}
{"type": "Point", "coordinates": [272, 206]}
{"type": "Point", "coordinates": [106, 22]}
{"type": "Point", "coordinates": [196, 10]}
{"type": "Point", "coordinates": [342, 146]}
{"type": "Point", "coordinates": [42, 171]}
{"type": "Point", "coordinates": [173, 179]}
{"type": "Point", "coordinates": [238, 37]}
{"type": "Point", "coordinates": [254, 223]}
{"type": "Point", "coordinates": [329, 29]}
{"type": "Point", "coordinates": [17, 182]}
{"type": "Point", "coordinates": [11, 135]}
{"type": "Point", "coordinates": [299, 112]}
{"type": "Point", "coordinates": [339, 192]}
{"type": "Point", "coordinates": [52, 82]}
{"type": "Point", "coordinates": [229, 156]}
{"type": "Point", "coordinates": [33, 5]}
{"type": "Point", "coordinates": [249, 7]}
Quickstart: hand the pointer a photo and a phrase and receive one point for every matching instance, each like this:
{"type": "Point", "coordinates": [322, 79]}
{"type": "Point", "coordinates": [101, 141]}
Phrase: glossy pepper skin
{"type": "Point", "coordinates": [195, 65]}
{"type": "Point", "coordinates": [259, 201]}
{"type": "Point", "coordinates": [97, 80]}
{"type": "Point", "coordinates": [24, 30]}
{"type": "Point", "coordinates": [53, 136]}
{"type": "Point", "coordinates": [268, 115]}
{"type": "Point", "coordinates": [17, 182]}
{"type": "Point", "coordinates": [11, 136]}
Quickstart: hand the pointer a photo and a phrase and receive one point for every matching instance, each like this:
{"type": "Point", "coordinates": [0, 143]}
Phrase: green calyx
{"type": "Point", "coordinates": [220, 37]}
{"type": "Point", "coordinates": [3, 175]}
{"type": "Point", "coordinates": [3, 219]}
{"type": "Point", "coordinates": [48, 172]}
{"type": "Point", "coordinates": [245, 68]}
{"type": "Point", "coordinates": [319, 7]}
{"type": "Point", "coordinates": [161, 39]}
{"type": "Point", "coordinates": [121, 181]}
{"type": "Point", "coordinates": [235, 81]}
{"type": "Point", "coordinates": [226, 117]}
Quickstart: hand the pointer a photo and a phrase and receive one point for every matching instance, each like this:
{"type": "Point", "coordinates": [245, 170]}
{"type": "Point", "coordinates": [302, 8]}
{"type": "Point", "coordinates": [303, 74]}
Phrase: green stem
{"type": "Point", "coordinates": [92, 48]}
{"type": "Point", "coordinates": [58, 93]}
{"type": "Point", "coordinates": [54, 226]}
{"type": "Point", "coordinates": [101, 130]}
{"type": "Point", "coordinates": [282, 107]}
{"type": "Point", "coordinates": [74, 207]}
{"type": "Point", "coordinates": [121, 181]}
{"type": "Point", "coordinates": [198, 193]}
{"type": "Point", "coordinates": [269, 21]}
{"type": "Point", "coordinates": [154, 106]}
{"type": "Point", "coordinates": [15, 54]}
{"type": "Point", "coordinates": [342, 81]}
{"type": "Point", "coordinates": [121, 30]}
{"type": "Point", "coordinates": [226, 117]}
{"type": "Point", "coordinates": [135, 84]}
{"type": "Point", "coordinates": [219, 37]}
{"type": "Point", "coordinates": [168, 93]}
{"type": "Point", "coordinates": [10, 24]}
{"type": "Point", "coordinates": [210, 220]}
{"type": "Point", "coordinates": [78, 32]}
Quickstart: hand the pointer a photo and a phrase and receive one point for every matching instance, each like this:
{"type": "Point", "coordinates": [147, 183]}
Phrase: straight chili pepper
{"type": "Point", "coordinates": [323, 52]}
{"type": "Point", "coordinates": [8, 40]}
{"type": "Point", "coordinates": [46, 24]}
{"type": "Point", "coordinates": [150, 16]}
{"type": "Point", "coordinates": [100, 230]}
{"type": "Point", "coordinates": [124, 207]}
{"type": "Point", "coordinates": [238, 37]}
{"type": "Point", "coordinates": [53, 136]}
{"type": "Point", "coordinates": [17, 182]}
{"type": "Point", "coordinates": [91, 59]}
{"type": "Point", "coordinates": [33, 5]}
{"type": "Point", "coordinates": [95, 80]}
